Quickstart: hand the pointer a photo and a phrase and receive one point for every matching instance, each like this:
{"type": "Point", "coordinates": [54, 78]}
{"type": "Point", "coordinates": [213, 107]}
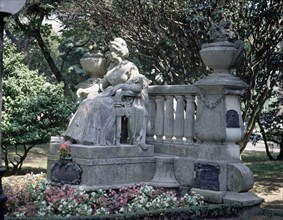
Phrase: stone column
{"type": "Point", "coordinates": [150, 123]}
{"type": "Point", "coordinates": [179, 119]}
{"type": "Point", "coordinates": [159, 118]}
{"type": "Point", "coordinates": [190, 119]}
{"type": "Point", "coordinates": [169, 119]}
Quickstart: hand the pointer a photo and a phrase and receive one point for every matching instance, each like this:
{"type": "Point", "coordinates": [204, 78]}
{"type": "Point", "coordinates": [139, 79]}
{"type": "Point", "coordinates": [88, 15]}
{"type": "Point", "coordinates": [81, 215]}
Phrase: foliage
{"type": "Point", "coordinates": [52, 53]}
{"type": "Point", "coordinates": [31, 196]}
{"type": "Point", "coordinates": [258, 23]}
{"type": "Point", "coordinates": [164, 36]}
{"type": "Point", "coordinates": [271, 123]}
{"type": "Point", "coordinates": [33, 109]}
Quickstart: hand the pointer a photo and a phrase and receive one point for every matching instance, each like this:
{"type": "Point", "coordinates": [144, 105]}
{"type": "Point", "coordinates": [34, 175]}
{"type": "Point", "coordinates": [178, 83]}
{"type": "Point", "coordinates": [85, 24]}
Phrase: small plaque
{"type": "Point", "coordinates": [232, 119]}
{"type": "Point", "coordinates": [65, 171]}
{"type": "Point", "coordinates": [206, 176]}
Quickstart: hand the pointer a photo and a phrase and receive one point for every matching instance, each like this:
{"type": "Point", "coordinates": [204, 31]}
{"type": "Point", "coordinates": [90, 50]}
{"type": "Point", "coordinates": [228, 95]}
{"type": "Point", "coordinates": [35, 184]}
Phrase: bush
{"type": "Point", "coordinates": [33, 110]}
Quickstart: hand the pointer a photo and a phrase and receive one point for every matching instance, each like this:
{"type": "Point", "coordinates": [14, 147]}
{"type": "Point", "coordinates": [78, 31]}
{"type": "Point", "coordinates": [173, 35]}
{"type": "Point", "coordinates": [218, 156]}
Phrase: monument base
{"type": "Point", "coordinates": [218, 176]}
{"type": "Point", "coordinates": [105, 167]}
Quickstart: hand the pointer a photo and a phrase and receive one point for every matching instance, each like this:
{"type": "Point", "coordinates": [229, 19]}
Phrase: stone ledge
{"type": "Point", "coordinates": [103, 152]}
{"type": "Point", "coordinates": [204, 151]}
{"type": "Point", "coordinates": [244, 198]}
{"type": "Point", "coordinates": [210, 195]}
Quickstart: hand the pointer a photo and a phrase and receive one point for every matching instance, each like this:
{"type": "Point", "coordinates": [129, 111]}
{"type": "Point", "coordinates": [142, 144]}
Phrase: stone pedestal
{"type": "Point", "coordinates": [105, 167]}
{"type": "Point", "coordinates": [218, 127]}
{"type": "Point", "coordinates": [164, 174]}
{"type": "Point", "coordinates": [226, 197]}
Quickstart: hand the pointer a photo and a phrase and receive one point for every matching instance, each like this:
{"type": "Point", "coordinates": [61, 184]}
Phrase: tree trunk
{"type": "Point", "coordinates": [280, 156]}
{"type": "Point", "coordinates": [265, 141]}
{"type": "Point", "coordinates": [46, 53]}
{"type": "Point", "coordinates": [51, 62]}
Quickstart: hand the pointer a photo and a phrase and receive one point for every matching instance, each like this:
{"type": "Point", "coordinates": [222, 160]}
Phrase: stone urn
{"type": "Point", "coordinates": [94, 64]}
{"type": "Point", "coordinates": [219, 56]}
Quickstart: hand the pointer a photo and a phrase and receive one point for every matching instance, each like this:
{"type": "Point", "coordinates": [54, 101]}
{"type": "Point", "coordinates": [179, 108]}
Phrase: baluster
{"type": "Point", "coordinates": [159, 118]}
{"type": "Point", "coordinates": [151, 118]}
{"type": "Point", "coordinates": [169, 119]}
{"type": "Point", "coordinates": [118, 129]}
{"type": "Point", "coordinates": [179, 119]}
{"type": "Point", "coordinates": [190, 119]}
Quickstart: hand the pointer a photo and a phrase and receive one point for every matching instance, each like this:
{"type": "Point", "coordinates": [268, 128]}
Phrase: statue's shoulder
{"type": "Point", "coordinates": [129, 65]}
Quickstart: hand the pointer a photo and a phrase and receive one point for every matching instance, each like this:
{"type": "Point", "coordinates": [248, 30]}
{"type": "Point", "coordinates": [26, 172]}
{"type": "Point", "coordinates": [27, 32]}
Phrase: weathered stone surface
{"type": "Point", "coordinates": [54, 145]}
{"type": "Point", "coordinates": [97, 120]}
{"type": "Point", "coordinates": [164, 173]}
{"type": "Point", "coordinates": [109, 166]}
{"type": "Point", "coordinates": [184, 171]}
{"type": "Point", "coordinates": [239, 178]}
{"type": "Point", "coordinates": [210, 116]}
{"type": "Point", "coordinates": [114, 151]}
{"type": "Point", "coordinates": [245, 199]}
{"type": "Point", "coordinates": [94, 64]}
{"type": "Point", "coordinates": [203, 151]}
{"type": "Point", "coordinates": [110, 172]}
{"type": "Point", "coordinates": [218, 55]}
{"type": "Point", "coordinates": [210, 195]}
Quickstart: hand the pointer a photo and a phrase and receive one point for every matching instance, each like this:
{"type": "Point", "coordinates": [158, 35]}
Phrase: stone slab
{"type": "Point", "coordinates": [210, 195]}
{"type": "Point", "coordinates": [120, 151]}
{"type": "Point", "coordinates": [110, 172]}
{"type": "Point", "coordinates": [245, 198]}
{"type": "Point", "coordinates": [202, 151]}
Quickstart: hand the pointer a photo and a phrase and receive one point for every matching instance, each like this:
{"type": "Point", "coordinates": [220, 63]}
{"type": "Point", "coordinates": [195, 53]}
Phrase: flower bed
{"type": "Point", "coordinates": [33, 196]}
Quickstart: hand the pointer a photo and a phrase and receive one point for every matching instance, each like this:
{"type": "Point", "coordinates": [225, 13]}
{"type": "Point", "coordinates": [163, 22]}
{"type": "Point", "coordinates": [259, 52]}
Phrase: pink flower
{"type": "Point", "coordinates": [64, 149]}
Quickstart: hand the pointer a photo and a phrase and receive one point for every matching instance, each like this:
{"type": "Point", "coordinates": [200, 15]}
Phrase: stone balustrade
{"type": "Point", "coordinates": [171, 116]}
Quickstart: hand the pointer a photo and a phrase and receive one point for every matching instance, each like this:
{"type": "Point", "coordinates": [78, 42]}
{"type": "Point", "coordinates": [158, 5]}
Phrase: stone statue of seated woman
{"type": "Point", "coordinates": [94, 122]}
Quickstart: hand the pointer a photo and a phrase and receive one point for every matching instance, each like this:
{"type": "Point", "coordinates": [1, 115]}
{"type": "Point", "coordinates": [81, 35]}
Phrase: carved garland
{"type": "Point", "coordinates": [211, 103]}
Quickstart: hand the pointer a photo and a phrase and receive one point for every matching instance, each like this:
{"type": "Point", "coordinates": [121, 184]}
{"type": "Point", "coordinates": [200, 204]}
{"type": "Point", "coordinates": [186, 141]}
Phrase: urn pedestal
{"type": "Point", "coordinates": [218, 127]}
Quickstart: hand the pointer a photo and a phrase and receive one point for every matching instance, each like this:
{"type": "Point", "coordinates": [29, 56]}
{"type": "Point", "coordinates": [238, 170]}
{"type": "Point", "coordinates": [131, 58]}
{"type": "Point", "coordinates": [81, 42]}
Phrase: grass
{"type": "Point", "coordinates": [36, 160]}
{"type": "Point", "coordinates": [268, 181]}
{"type": "Point", "coordinates": [261, 166]}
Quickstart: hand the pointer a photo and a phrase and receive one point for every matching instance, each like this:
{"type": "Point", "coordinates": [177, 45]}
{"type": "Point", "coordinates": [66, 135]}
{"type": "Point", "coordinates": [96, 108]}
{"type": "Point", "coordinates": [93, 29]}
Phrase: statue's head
{"type": "Point", "coordinates": [119, 45]}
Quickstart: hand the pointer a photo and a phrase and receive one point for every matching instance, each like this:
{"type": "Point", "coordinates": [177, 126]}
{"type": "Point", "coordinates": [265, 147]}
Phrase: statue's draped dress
{"type": "Point", "coordinates": [94, 121]}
